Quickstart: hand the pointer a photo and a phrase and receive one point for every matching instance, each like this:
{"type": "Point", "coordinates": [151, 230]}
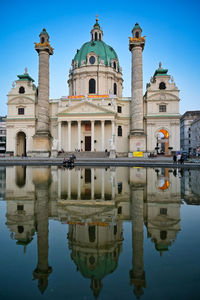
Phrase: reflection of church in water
{"type": "Point", "coordinates": [94, 203]}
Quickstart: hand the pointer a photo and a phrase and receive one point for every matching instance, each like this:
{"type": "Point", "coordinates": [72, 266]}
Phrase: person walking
{"type": "Point", "coordinates": [179, 158]}
{"type": "Point", "coordinates": [174, 158]}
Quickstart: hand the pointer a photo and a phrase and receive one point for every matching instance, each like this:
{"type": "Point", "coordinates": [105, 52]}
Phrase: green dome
{"type": "Point", "coordinates": [104, 52]}
{"type": "Point", "coordinates": [105, 265]}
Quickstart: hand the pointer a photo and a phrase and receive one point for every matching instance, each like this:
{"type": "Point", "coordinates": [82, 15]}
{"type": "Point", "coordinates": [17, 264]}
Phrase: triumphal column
{"type": "Point", "coordinates": [137, 131]}
{"type": "Point", "coordinates": [42, 138]}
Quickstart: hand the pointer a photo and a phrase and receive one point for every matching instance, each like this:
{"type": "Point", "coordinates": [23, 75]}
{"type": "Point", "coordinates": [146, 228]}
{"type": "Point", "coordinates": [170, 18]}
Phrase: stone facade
{"type": "Point", "coordinates": [2, 135]}
{"type": "Point", "coordinates": [95, 116]}
{"type": "Point", "coordinates": [187, 142]}
{"type": "Point", "coordinates": [162, 118]}
{"type": "Point", "coordinates": [195, 140]}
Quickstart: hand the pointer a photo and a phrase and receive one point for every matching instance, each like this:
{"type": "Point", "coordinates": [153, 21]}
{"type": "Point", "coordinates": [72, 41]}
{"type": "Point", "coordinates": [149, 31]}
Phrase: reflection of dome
{"type": "Point", "coordinates": [102, 50]}
{"type": "Point", "coordinates": [96, 268]}
{"type": "Point", "coordinates": [104, 265]}
{"type": "Point", "coordinates": [95, 250]}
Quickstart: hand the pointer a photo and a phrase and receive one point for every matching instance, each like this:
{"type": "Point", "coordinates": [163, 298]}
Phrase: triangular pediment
{"type": "Point", "coordinates": [85, 108]}
{"type": "Point", "coordinates": [162, 96]}
{"type": "Point", "coordinates": [21, 101]}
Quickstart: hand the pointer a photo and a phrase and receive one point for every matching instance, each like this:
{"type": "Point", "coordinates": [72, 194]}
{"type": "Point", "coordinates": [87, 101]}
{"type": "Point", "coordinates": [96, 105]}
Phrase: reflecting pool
{"type": "Point", "coordinates": [96, 233]}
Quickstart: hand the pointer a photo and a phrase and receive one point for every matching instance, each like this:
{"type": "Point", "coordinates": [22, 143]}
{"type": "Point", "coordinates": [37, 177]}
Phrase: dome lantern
{"type": "Point", "coordinates": [96, 32]}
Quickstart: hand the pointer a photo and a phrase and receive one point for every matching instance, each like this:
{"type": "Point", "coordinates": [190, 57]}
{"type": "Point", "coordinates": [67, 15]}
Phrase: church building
{"type": "Point", "coordinates": [94, 116]}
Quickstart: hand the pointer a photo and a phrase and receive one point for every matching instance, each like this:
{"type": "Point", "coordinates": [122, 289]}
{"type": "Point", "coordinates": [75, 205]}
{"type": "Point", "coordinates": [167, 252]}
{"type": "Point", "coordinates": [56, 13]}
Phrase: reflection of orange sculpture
{"type": "Point", "coordinates": [165, 132]}
{"type": "Point", "coordinates": [165, 185]}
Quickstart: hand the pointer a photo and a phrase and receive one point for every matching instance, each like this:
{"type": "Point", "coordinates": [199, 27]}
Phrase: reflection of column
{"type": "Point", "coordinates": [102, 135]}
{"type": "Point", "coordinates": [92, 183]}
{"type": "Point", "coordinates": [59, 183]}
{"type": "Point", "coordinates": [42, 195]}
{"type": "Point", "coordinates": [113, 183]}
{"type": "Point", "coordinates": [68, 184]}
{"type": "Point", "coordinates": [92, 135]}
{"type": "Point", "coordinates": [79, 135]}
{"type": "Point", "coordinates": [59, 136]}
{"type": "Point", "coordinates": [69, 135]}
{"type": "Point", "coordinates": [137, 275]}
{"type": "Point", "coordinates": [102, 183]}
{"type": "Point", "coordinates": [79, 184]}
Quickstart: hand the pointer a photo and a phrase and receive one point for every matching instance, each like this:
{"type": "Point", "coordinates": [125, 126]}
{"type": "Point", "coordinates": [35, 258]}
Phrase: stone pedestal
{"type": "Point", "coordinates": [54, 153]}
{"type": "Point", "coordinates": [41, 145]}
{"type": "Point", "coordinates": [112, 154]}
{"type": "Point", "coordinates": [137, 142]}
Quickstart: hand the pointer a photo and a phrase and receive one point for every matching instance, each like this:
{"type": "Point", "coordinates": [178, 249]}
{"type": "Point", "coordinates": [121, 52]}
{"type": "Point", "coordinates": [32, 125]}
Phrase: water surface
{"type": "Point", "coordinates": [115, 233]}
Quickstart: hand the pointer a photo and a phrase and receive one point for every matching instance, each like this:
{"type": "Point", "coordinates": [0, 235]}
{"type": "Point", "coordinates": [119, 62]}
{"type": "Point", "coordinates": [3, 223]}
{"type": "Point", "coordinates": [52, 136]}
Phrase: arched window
{"type": "Point", "coordinates": [115, 89]}
{"type": "Point", "coordinates": [92, 86]}
{"type": "Point", "coordinates": [92, 233]}
{"type": "Point", "coordinates": [95, 36]}
{"type": "Point", "coordinates": [163, 235]}
{"type": "Point", "coordinates": [119, 131]}
{"type": "Point", "coordinates": [114, 65]}
{"type": "Point", "coordinates": [137, 34]}
{"type": "Point", "coordinates": [42, 40]}
{"type": "Point", "coordinates": [100, 36]}
{"type": "Point", "coordinates": [21, 90]}
{"type": "Point", "coordinates": [162, 86]}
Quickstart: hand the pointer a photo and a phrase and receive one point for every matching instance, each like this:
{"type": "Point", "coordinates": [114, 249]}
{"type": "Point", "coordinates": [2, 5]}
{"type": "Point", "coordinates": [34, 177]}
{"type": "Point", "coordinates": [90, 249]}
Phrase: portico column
{"type": "Point", "coordinates": [113, 133]}
{"type": "Point", "coordinates": [79, 135]}
{"type": "Point", "coordinates": [69, 135]}
{"type": "Point", "coordinates": [59, 136]}
{"type": "Point", "coordinates": [92, 135]}
{"type": "Point", "coordinates": [102, 135]}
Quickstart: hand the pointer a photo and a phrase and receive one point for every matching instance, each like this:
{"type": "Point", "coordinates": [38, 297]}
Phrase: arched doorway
{"type": "Point", "coordinates": [21, 144]}
{"type": "Point", "coordinates": [162, 146]}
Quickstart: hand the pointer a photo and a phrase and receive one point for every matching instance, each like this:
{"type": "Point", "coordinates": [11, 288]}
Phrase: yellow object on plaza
{"type": "Point", "coordinates": [137, 154]}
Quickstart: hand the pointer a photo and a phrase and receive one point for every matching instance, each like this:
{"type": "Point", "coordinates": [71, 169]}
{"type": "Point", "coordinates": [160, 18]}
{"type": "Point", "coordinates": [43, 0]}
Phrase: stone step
{"type": "Point", "coordinates": [84, 154]}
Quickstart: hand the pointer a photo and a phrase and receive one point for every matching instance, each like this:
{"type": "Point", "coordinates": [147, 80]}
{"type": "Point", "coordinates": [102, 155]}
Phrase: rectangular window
{"type": "Point", "coordinates": [162, 108]}
{"type": "Point", "coordinates": [20, 207]}
{"type": "Point", "coordinates": [119, 109]}
{"type": "Point", "coordinates": [21, 111]}
{"type": "Point", "coordinates": [163, 211]}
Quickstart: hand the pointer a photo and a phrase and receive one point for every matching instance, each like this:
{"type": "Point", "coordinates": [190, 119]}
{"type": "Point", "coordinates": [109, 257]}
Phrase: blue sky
{"type": "Point", "coordinates": [172, 30]}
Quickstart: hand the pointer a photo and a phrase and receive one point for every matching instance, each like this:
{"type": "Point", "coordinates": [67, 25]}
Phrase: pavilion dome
{"type": "Point", "coordinates": [100, 48]}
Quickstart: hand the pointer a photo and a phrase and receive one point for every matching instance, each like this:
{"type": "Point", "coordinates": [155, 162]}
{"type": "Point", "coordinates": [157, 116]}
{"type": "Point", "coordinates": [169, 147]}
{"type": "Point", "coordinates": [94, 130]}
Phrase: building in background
{"type": "Point", "coordinates": [95, 116]}
{"type": "Point", "coordinates": [186, 130]}
{"type": "Point", "coordinates": [195, 129]}
{"type": "Point", "coordinates": [2, 135]}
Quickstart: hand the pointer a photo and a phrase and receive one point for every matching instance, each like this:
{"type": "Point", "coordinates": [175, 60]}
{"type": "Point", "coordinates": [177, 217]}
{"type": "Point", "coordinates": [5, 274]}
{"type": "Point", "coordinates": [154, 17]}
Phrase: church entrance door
{"type": "Point", "coordinates": [21, 144]}
{"type": "Point", "coordinates": [87, 143]}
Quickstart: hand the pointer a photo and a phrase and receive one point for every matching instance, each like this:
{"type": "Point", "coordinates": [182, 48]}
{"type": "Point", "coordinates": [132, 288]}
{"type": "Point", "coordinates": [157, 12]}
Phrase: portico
{"type": "Point", "coordinates": [86, 135]}
{"type": "Point", "coordinates": [91, 131]}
